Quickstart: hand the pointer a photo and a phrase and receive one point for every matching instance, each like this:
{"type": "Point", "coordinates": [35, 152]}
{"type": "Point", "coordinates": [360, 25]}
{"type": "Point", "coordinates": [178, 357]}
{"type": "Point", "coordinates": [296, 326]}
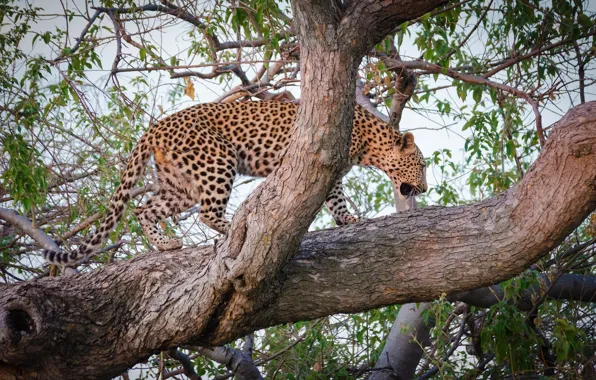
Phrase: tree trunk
{"type": "Point", "coordinates": [95, 325]}
{"type": "Point", "coordinates": [262, 237]}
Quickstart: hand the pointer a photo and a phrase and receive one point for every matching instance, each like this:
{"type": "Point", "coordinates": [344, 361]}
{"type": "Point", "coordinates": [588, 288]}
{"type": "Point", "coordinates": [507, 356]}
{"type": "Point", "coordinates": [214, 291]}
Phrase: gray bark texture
{"type": "Point", "coordinates": [569, 286]}
{"type": "Point", "coordinates": [403, 347]}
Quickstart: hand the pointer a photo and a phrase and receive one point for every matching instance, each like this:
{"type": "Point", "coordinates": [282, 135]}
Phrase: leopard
{"type": "Point", "coordinates": [198, 151]}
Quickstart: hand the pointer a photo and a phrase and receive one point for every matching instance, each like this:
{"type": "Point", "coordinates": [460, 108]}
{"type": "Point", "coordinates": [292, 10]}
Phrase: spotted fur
{"type": "Point", "coordinates": [198, 152]}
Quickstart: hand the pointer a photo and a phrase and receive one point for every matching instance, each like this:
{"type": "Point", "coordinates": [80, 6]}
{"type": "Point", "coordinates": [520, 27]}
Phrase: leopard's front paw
{"type": "Point", "coordinates": [169, 244]}
{"type": "Point", "coordinates": [347, 219]}
{"type": "Point", "coordinates": [350, 219]}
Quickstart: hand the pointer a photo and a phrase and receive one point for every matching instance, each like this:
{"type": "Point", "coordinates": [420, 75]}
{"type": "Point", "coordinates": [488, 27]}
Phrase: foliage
{"type": "Point", "coordinates": [25, 177]}
{"type": "Point", "coordinates": [78, 91]}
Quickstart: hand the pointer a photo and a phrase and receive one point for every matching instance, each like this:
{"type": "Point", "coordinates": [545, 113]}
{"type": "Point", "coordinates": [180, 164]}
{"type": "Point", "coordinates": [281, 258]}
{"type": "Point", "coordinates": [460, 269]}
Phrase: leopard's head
{"type": "Point", "coordinates": [406, 168]}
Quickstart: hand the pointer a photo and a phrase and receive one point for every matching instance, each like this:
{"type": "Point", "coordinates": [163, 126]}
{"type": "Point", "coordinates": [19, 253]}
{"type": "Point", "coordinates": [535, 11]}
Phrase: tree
{"type": "Point", "coordinates": [269, 270]}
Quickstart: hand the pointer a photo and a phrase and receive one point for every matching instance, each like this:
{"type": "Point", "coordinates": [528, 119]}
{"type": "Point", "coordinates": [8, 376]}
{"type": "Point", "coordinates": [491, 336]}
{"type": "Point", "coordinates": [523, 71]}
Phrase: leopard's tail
{"type": "Point", "coordinates": [121, 196]}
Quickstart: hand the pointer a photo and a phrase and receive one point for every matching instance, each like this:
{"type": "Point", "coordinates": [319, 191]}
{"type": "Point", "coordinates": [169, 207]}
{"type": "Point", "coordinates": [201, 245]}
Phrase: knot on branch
{"type": "Point", "coordinates": [582, 150]}
{"type": "Point", "coordinates": [15, 323]}
{"type": "Point", "coordinates": [19, 323]}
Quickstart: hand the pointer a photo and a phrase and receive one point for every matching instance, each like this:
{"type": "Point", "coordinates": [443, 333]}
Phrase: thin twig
{"type": "Point", "coordinates": [469, 78]}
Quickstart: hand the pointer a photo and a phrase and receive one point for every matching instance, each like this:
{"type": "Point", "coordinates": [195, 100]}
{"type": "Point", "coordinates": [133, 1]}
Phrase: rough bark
{"type": "Point", "coordinates": [95, 325]}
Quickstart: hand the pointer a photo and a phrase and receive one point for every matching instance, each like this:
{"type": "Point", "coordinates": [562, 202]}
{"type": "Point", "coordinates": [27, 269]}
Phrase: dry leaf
{"type": "Point", "coordinates": [190, 89]}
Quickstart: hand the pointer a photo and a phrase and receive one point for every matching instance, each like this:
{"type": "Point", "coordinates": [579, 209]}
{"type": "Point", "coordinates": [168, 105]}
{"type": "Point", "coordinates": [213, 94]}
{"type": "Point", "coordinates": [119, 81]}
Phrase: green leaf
{"type": "Point", "coordinates": [584, 20]}
{"type": "Point", "coordinates": [477, 94]}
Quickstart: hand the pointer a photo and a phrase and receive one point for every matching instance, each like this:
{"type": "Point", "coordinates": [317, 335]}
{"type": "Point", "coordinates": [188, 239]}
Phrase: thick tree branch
{"type": "Point", "coordinates": [97, 324]}
{"type": "Point", "coordinates": [376, 19]}
{"type": "Point", "coordinates": [569, 286]}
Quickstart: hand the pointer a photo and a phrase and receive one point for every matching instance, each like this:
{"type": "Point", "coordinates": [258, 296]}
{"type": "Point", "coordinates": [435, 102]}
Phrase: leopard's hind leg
{"type": "Point", "coordinates": [212, 168]}
{"type": "Point", "coordinates": [201, 172]}
{"type": "Point", "coordinates": [215, 186]}
{"type": "Point", "coordinates": [175, 195]}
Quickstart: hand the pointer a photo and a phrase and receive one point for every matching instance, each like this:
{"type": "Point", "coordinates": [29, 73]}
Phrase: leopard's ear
{"type": "Point", "coordinates": [406, 142]}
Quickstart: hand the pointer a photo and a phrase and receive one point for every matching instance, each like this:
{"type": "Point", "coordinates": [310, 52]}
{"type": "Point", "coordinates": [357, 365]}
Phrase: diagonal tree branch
{"type": "Point", "coordinates": [239, 363]}
{"type": "Point", "coordinates": [404, 344]}
{"type": "Point", "coordinates": [568, 286]}
{"type": "Point", "coordinates": [25, 225]}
